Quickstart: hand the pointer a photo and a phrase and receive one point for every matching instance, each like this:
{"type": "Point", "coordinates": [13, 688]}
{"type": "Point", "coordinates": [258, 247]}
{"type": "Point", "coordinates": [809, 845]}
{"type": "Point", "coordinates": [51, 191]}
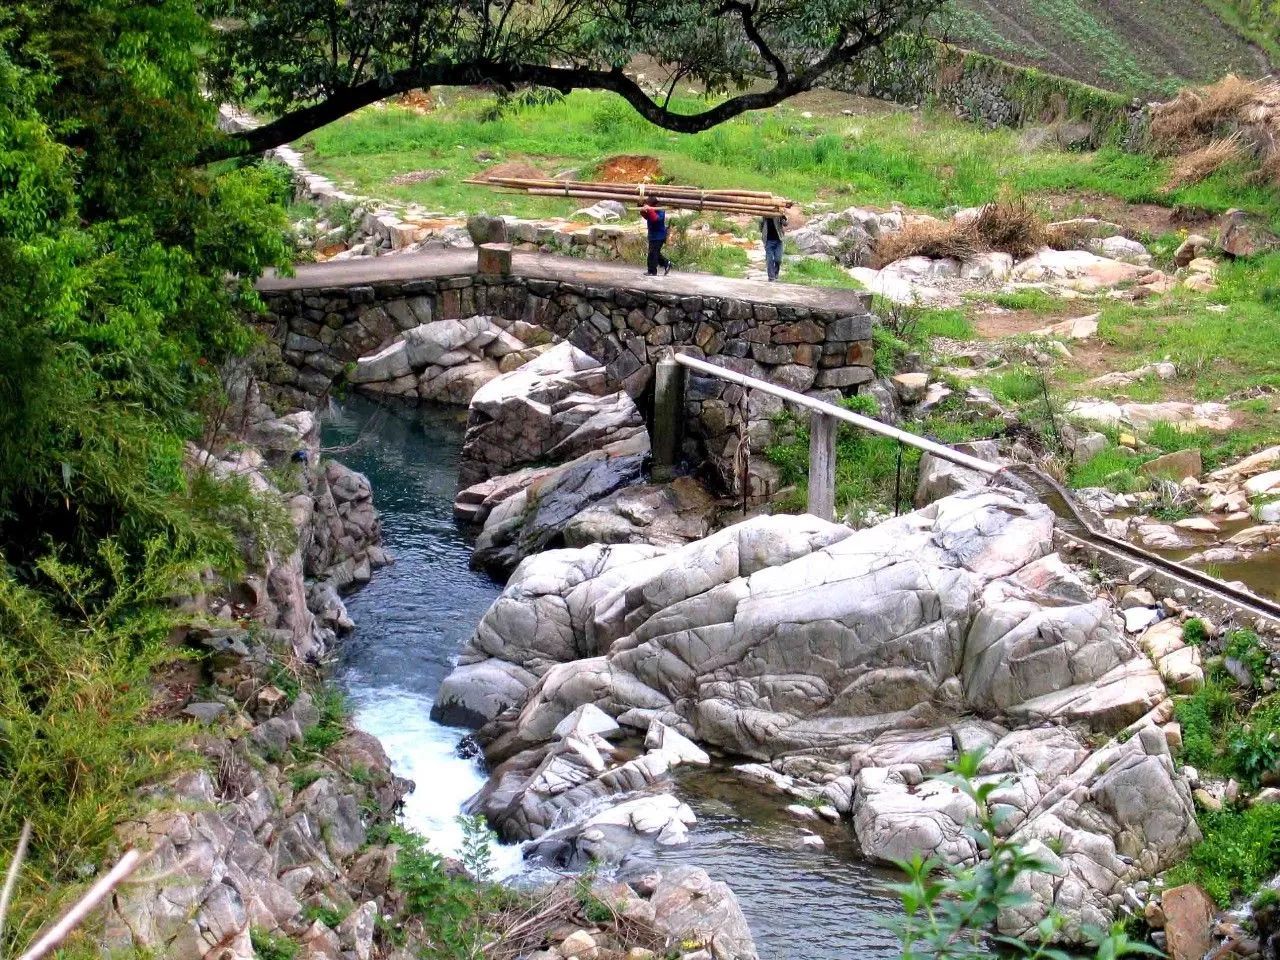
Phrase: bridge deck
{"type": "Point", "coordinates": [537, 266]}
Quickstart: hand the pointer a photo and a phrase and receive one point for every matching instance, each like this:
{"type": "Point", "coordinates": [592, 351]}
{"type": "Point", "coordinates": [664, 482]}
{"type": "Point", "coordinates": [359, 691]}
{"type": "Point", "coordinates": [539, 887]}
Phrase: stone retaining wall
{"type": "Point", "coordinates": [983, 89]}
{"type": "Point", "coordinates": [321, 331]}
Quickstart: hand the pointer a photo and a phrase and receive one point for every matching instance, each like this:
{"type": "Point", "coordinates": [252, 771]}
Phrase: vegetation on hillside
{"type": "Point", "coordinates": [926, 161]}
{"type": "Point", "coordinates": [123, 272]}
{"type": "Point", "coordinates": [1149, 52]}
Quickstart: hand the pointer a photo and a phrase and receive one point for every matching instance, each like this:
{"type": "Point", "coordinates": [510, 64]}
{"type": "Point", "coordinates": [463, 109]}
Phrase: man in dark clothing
{"type": "Point", "coordinates": [771, 229]}
{"type": "Point", "coordinates": [657, 225]}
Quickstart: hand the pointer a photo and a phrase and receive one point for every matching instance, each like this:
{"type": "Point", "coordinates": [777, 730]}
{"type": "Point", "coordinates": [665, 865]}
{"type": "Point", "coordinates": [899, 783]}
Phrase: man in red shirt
{"type": "Point", "coordinates": [656, 221]}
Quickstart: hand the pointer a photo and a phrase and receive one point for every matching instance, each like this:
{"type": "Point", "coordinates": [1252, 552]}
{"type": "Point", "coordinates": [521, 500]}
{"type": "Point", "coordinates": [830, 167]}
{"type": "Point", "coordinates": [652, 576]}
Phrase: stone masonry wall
{"type": "Point", "coordinates": [983, 89]}
{"type": "Point", "coordinates": [321, 331]}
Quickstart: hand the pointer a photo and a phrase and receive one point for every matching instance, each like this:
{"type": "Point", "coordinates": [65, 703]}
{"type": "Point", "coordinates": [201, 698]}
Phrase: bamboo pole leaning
{"type": "Point", "coordinates": [751, 202]}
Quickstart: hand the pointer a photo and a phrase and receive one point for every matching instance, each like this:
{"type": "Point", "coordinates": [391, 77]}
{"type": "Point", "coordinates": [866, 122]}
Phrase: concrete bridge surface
{"type": "Point", "coordinates": [436, 264]}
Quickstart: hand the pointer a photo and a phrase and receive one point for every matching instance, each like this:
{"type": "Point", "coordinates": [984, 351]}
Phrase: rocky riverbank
{"type": "Point", "coordinates": [282, 838]}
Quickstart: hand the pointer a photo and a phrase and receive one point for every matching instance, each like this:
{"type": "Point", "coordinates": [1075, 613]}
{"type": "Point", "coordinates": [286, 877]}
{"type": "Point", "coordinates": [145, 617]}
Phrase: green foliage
{"type": "Point", "coordinates": [1195, 632]}
{"type": "Point", "coordinates": [1029, 299]}
{"type": "Point", "coordinates": [817, 273]}
{"type": "Point", "coordinates": [888, 349]}
{"type": "Point", "coordinates": [1015, 386]}
{"type": "Point", "coordinates": [1239, 852]}
{"type": "Point", "coordinates": [301, 779]}
{"type": "Point", "coordinates": [269, 947]}
{"type": "Point", "coordinates": [1255, 751]}
{"type": "Point", "coordinates": [334, 714]}
{"type": "Point", "coordinates": [1244, 645]}
{"type": "Point", "coordinates": [952, 324]}
{"type": "Point", "coordinates": [476, 852]}
{"type": "Point", "coordinates": [1203, 717]}
{"type": "Point", "coordinates": [326, 915]}
{"type": "Point", "coordinates": [949, 908]}
{"type": "Point", "coordinates": [453, 911]}
{"type": "Point", "coordinates": [124, 269]}
{"type": "Point", "coordinates": [1115, 468]}
{"type": "Point", "coordinates": [346, 51]}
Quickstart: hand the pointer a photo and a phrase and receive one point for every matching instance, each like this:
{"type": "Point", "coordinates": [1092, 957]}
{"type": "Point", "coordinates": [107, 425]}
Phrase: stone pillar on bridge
{"type": "Point", "coordinates": [494, 259]}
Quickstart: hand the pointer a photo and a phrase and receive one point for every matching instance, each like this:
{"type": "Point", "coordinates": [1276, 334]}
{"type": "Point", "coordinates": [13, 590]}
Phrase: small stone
{"type": "Point", "coordinates": [1138, 619]}
{"type": "Point", "coordinates": [1177, 465]}
{"type": "Point", "coordinates": [1265, 797]}
{"type": "Point", "coordinates": [911, 386]}
{"type": "Point", "coordinates": [1153, 913]}
{"type": "Point", "coordinates": [813, 841]}
{"type": "Point", "coordinates": [1137, 598]}
{"type": "Point", "coordinates": [1198, 525]}
{"type": "Point", "coordinates": [205, 712]}
{"type": "Point", "coordinates": [1205, 800]}
{"type": "Point", "coordinates": [579, 945]}
{"type": "Point", "coordinates": [802, 812]}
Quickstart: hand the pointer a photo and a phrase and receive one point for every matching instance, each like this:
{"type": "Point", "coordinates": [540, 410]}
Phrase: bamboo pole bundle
{"type": "Point", "coordinates": [750, 202]}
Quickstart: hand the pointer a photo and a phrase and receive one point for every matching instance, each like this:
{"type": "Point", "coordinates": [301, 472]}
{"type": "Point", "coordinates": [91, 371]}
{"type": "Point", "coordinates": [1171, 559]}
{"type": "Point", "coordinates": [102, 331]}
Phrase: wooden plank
{"type": "Point", "coordinates": [822, 465]}
{"type": "Point", "coordinates": [668, 417]}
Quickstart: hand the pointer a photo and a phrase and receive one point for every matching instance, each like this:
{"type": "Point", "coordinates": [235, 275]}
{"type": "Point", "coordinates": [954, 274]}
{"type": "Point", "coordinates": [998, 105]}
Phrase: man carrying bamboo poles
{"type": "Point", "coordinates": [771, 229]}
{"type": "Point", "coordinates": [656, 221]}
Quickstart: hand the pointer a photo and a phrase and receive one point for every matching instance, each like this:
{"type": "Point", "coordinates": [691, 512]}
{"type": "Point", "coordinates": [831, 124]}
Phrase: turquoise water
{"type": "Point", "coordinates": [410, 622]}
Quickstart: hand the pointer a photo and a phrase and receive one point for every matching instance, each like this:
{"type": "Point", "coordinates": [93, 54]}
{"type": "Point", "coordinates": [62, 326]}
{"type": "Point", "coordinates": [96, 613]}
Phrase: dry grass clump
{"type": "Point", "coordinates": [1197, 113]}
{"type": "Point", "coordinates": [1195, 166]}
{"type": "Point", "coordinates": [1005, 226]}
{"type": "Point", "coordinates": [1207, 127]}
{"type": "Point", "coordinates": [1012, 227]}
{"type": "Point", "coordinates": [935, 239]}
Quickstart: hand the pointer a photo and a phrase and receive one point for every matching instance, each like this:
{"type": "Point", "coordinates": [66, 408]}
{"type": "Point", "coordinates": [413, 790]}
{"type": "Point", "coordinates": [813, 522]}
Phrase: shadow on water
{"type": "Point", "coordinates": [410, 622]}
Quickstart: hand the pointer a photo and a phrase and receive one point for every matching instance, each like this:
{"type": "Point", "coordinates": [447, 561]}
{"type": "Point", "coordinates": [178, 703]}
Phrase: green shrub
{"type": "Point", "coordinates": [334, 713]}
{"type": "Point", "coordinates": [453, 911]}
{"type": "Point", "coordinates": [1239, 852]}
{"type": "Point", "coordinates": [1244, 645]}
{"type": "Point", "coordinates": [269, 947]}
{"type": "Point", "coordinates": [1195, 632]}
{"type": "Point", "coordinates": [1254, 742]}
{"type": "Point", "coordinates": [949, 909]}
{"type": "Point", "coordinates": [1203, 717]}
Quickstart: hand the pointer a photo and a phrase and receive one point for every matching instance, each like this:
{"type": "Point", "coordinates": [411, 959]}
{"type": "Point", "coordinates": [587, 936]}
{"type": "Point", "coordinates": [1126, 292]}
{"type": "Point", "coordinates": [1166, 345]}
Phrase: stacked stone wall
{"type": "Point", "coordinates": [983, 89]}
{"type": "Point", "coordinates": [321, 331]}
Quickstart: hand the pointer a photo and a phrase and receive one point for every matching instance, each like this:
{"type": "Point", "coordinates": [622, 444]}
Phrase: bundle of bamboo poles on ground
{"type": "Point", "coordinates": [660, 195]}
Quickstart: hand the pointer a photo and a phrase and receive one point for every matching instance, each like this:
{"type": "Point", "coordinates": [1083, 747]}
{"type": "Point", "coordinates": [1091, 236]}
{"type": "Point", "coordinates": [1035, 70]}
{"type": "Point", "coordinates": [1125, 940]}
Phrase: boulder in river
{"type": "Point", "coordinates": [550, 410]}
{"type": "Point", "coordinates": [891, 649]}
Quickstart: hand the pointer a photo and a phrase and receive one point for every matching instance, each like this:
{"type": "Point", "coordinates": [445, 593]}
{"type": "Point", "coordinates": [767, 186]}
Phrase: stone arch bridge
{"type": "Point", "coordinates": [812, 340]}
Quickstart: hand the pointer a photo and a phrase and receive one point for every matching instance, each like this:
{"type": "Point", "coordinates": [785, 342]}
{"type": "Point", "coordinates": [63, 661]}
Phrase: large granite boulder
{"type": "Point", "coordinates": [535, 517]}
{"type": "Point", "coordinates": [790, 634]}
{"type": "Point", "coordinates": [552, 409]}
{"type": "Point", "coordinates": [445, 361]}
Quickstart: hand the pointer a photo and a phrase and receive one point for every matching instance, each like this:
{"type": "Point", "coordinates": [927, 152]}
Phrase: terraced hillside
{"type": "Point", "coordinates": [1145, 47]}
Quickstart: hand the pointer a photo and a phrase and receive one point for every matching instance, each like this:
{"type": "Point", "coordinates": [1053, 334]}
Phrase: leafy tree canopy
{"type": "Point", "coordinates": [312, 61]}
{"type": "Point", "coordinates": [123, 272]}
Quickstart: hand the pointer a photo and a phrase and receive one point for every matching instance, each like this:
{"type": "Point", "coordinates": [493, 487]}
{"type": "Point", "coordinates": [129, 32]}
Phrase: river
{"type": "Point", "coordinates": [410, 622]}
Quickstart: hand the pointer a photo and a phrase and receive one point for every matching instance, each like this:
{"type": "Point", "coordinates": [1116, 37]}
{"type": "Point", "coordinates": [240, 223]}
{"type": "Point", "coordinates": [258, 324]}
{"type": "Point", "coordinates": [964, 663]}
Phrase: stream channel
{"type": "Point", "coordinates": [415, 615]}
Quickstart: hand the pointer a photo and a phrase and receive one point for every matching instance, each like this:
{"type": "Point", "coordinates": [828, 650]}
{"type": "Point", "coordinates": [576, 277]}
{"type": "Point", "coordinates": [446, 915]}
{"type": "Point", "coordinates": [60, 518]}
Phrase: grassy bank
{"type": "Point", "coordinates": [809, 150]}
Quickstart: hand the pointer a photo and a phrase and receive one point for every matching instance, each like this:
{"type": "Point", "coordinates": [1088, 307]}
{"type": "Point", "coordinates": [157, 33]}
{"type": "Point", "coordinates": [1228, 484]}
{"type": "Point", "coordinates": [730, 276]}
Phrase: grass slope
{"type": "Point", "coordinates": [810, 150]}
{"type": "Point", "coordinates": [1147, 47]}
